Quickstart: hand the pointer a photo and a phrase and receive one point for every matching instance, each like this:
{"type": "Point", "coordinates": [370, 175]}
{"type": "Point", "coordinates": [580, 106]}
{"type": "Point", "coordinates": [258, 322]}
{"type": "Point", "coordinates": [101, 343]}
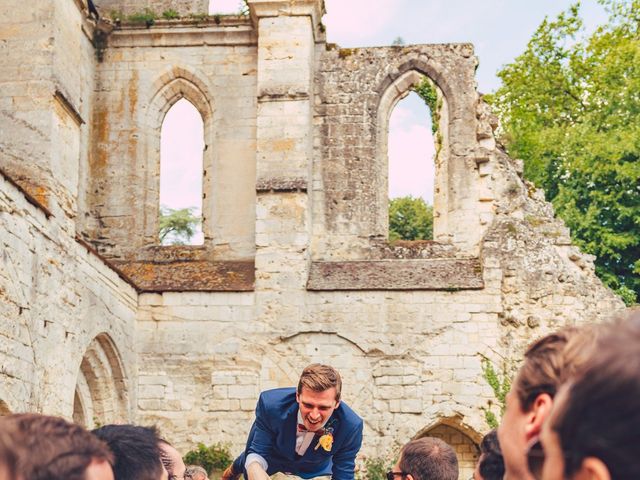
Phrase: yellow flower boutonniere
{"type": "Point", "coordinates": [326, 442]}
{"type": "Point", "coordinates": [326, 439]}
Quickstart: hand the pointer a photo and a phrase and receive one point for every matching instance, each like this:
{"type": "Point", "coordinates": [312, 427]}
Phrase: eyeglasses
{"type": "Point", "coordinates": [391, 475]}
{"type": "Point", "coordinates": [535, 459]}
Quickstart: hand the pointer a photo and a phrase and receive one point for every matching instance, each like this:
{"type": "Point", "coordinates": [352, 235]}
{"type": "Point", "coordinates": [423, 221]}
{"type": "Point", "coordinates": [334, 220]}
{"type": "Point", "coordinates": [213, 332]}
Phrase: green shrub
{"type": "Point", "coordinates": [374, 468]}
{"type": "Point", "coordinates": [170, 14]}
{"type": "Point", "coordinates": [215, 457]}
{"type": "Point", "coordinates": [148, 17]}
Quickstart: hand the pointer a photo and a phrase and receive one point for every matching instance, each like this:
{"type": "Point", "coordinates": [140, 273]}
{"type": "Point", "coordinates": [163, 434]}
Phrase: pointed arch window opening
{"type": "Point", "coordinates": [411, 169]}
{"type": "Point", "coordinates": [181, 175]}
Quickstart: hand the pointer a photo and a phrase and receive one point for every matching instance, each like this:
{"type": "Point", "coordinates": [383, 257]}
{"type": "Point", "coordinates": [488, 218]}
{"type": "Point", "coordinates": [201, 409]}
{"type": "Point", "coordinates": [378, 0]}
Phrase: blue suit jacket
{"type": "Point", "coordinates": [273, 437]}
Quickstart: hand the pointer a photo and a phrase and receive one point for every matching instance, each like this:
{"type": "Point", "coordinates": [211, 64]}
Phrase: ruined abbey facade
{"type": "Point", "coordinates": [100, 323]}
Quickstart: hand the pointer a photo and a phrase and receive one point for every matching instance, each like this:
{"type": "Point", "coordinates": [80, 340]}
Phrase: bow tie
{"type": "Point", "coordinates": [302, 428]}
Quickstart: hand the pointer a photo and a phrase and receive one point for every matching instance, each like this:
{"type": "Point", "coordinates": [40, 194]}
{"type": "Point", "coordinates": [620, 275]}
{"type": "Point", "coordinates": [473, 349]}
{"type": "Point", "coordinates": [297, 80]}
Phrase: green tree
{"type": "Point", "coordinates": [570, 108]}
{"type": "Point", "coordinates": [410, 219]}
{"type": "Point", "coordinates": [178, 226]}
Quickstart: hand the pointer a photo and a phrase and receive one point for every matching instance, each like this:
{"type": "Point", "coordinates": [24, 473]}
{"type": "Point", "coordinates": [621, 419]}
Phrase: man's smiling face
{"type": "Point", "coordinates": [316, 407]}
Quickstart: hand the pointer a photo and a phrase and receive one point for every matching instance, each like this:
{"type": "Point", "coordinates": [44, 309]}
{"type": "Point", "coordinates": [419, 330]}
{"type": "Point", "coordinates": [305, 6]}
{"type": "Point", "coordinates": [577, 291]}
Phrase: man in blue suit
{"type": "Point", "coordinates": [306, 431]}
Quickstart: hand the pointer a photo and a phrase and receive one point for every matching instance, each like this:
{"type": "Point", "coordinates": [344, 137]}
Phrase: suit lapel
{"type": "Point", "coordinates": [289, 431]}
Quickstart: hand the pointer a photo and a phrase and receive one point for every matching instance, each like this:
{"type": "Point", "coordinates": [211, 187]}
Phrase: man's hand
{"type": "Point", "coordinates": [256, 472]}
{"type": "Point", "coordinates": [230, 474]}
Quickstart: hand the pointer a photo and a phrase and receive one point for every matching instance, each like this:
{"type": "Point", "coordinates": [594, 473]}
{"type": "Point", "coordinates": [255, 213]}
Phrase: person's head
{"type": "Point", "coordinates": [528, 403]}
{"type": "Point", "coordinates": [8, 457]}
{"type": "Point", "coordinates": [594, 429]}
{"type": "Point", "coordinates": [54, 449]}
{"type": "Point", "coordinates": [196, 472]}
{"type": "Point", "coordinates": [318, 394]}
{"type": "Point", "coordinates": [490, 465]}
{"type": "Point", "coordinates": [135, 450]}
{"type": "Point", "coordinates": [172, 461]}
{"type": "Point", "coordinates": [425, 458]}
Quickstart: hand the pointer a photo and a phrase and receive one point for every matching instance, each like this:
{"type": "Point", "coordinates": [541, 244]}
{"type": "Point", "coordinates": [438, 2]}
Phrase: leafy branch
{"type": "Point", "coordinates": [500, 383]}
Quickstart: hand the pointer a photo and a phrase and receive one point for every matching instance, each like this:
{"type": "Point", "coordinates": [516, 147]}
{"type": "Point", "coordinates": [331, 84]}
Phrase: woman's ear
{"type": "Point", "coordinates": [593, 468]}
{"type": "Point", "coordinates": [537, 415]}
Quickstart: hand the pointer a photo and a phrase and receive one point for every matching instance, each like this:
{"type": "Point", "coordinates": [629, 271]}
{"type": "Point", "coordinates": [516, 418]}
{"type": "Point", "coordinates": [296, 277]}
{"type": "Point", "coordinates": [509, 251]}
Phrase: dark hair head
{"type": "Point", "coordinates": [599, 416]}
{"type": "Point", "coordinates": [50, 448]}
{"type": "Point", "coordinates": [429, 458]}
{"type": "Point", "coordinates": [491, 463]}
{"type": "Point", "coordinates": [318, 378]}
{"type": "Point", "coordinates": [135, 450]}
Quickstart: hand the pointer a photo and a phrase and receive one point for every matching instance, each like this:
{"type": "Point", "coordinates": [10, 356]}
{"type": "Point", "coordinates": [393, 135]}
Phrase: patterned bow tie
{"type": "Point", "coordinates": [302, 428]}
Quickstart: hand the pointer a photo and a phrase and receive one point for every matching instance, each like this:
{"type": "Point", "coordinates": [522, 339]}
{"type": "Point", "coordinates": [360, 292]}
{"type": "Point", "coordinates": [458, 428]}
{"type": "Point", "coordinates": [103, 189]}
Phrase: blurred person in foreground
{"type": "Point", "coordinates": [594, 429]}
{"type": "Point", "coordinates": [8, 458]}
{"type": "Point", "coordinates": [425, 458]}
{"type": "Point", "coordinates": [136, 451]}
{"type": "Point", "coordinates": [548, 362]}
{"type": "Point", "coordinates": [51, 448]}
{"type": "Point", "coordinates": [196, 472]}
{"type": "Point", "coordinates": [172, 461]}
{"type": "Point", "coordinates": [490, 464]}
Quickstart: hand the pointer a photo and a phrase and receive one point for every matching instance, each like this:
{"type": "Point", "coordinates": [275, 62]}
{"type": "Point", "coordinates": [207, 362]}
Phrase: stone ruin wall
{"type": "Point", "coordinates": [66, 317]}
{"type": "Point", "coordinates": [131, 7]}
{"type": "Point", "coordinates": [295, 267]}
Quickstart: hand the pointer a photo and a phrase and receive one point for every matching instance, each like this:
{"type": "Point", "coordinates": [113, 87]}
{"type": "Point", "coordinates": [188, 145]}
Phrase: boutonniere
{"type": "Point", "coordinates": [326, 438]}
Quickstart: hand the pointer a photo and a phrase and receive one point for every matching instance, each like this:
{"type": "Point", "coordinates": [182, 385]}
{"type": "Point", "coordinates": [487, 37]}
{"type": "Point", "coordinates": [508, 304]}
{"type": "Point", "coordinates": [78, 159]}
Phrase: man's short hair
{"type": "Point", "coordinates": [318, 378]}
{"type": "Point", "coordinates": [429, 458]}
{"type": "Point", "coordinates": [545, 365]}
{"type": "Point", "coordinates": [195, 472]}
{"type": "Point", "coordinates": [491, 463]}
{"type": "Point", "coordinates": [51, 447]}
{"type": "Point", "coordinates": [599, 416]}
{"type": "Point", "coordinates": [135, 449]}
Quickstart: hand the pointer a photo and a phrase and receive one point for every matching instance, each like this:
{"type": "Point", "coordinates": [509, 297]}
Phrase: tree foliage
{"type": "Point", "coordinates": [570, 108]}
{"type": "Point", "coordinates": [410, 219]}
{"type": "Point", "coordinates": [177, 227]}
{"type": "Point", "coordinates": [426, 90]}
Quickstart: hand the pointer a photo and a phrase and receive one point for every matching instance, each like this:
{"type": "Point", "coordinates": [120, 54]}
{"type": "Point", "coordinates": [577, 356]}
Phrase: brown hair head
{"type": "Point", "coordinates": [599, 415]}
{"type": "Point", "coordinates": [318, 378]}
{"type": "Point", "coordinates": [8, 456]}
{"type": "Point", "coordinates": [549, 361]}
{"type": "Point", "coordinates": [429, 458]}
{"type": "Point", "coordinates": [51, 448]}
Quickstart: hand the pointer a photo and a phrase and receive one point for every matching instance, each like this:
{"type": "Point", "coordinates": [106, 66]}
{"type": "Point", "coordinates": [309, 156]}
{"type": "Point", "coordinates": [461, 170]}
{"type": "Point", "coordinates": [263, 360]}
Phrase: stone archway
{"type": "Point", "coordinates": [461, 440]}
{"type": "Point", "coordinates": [286, 360]}
{"type": "Point", "coordinates": [101, 395]}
